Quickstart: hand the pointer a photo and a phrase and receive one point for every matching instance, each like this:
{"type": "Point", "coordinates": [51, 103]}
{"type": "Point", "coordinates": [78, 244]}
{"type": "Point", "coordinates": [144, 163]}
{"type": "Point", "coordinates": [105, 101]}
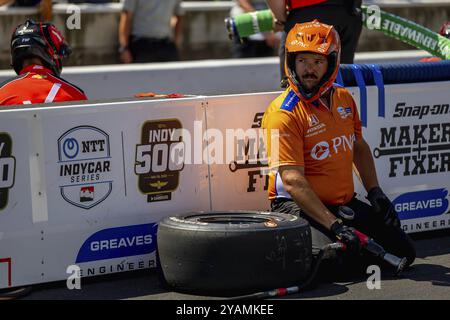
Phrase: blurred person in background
{"type": "Point", "coordinates": [257, 45]}
{"type": "Point", "coordinates": [445, 32]}
{"type": "Point", "coordinates": [20, 3]}
{"type": "Point", "coordinates": [37, 50]}
{"type": "Point", "coordinates": [150, 31]}
{"type": "Point", "coordinates": [344, 15]}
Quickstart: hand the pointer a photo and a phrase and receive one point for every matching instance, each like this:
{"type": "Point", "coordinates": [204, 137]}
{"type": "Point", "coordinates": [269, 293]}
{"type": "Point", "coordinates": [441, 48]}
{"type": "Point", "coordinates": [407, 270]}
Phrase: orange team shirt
{"type": "Point", "coordinates": [320, 140]}
{"type": "Point", "coordinates": [36, 84]}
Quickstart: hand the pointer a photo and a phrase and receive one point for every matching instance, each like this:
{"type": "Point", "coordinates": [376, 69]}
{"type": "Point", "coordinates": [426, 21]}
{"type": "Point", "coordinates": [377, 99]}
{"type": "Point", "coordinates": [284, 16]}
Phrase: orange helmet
{"type": "Point", "coordinates": [312, 37]}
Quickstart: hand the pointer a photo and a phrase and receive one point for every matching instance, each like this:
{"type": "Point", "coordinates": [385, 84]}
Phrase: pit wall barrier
{"type": "Point", "coordinates": [86, 184]}
{"type": "Point", "coordinates": [254, 74]}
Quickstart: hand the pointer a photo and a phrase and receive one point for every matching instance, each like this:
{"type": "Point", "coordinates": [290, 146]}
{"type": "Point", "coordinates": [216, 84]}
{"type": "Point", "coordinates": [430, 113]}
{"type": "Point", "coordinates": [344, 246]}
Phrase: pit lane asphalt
{"type": "Point", "coordinates": [429, 279]}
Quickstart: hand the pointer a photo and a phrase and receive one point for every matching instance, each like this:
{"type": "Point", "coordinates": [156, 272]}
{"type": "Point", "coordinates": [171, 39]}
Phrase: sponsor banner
{"type": "Point", "coordinates": [7, 168]}
{"type": "Point", "coordinates": [422, 210]}
{"type": "Point", "coordinates": [411, 144]}
{"type": "Point", "coordinates": [421, 204]}
{"type": "Point", "coordinates": [85, 166]}
{"type": "Point", "coordinates": [411, 149]}
{"type": "Point", "coordinates": [111, 171]}
{"type": "Point", "coordinates": [19, 238]}
{"type": "Point", "coordinates": [5, 272]}
{"type": "Point", "coordinates": [239, 177]}
{"type": "Point", "coordinates": [119, 242]}
{"type": "Point", "coordinates": [160, 158]}
{"type": "Point", "coordinates": [102, 267]}
{"type": "Point", "coordinates": [426, 224]}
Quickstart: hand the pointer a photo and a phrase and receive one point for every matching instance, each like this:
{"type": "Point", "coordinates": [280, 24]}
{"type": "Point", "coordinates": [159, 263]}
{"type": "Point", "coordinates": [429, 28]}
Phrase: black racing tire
{"type": "Point", "coordinates": [234, 252]}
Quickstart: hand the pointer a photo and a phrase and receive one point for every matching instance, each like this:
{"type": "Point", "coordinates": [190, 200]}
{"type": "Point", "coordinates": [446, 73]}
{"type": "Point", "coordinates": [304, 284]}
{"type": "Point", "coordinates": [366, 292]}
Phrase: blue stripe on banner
{"type": "Point", "coordinates": [339, 80]}
{"type": "Point", "coordinates": [378, 77]}
{"type": "Point", "coordinates": [362, 92]}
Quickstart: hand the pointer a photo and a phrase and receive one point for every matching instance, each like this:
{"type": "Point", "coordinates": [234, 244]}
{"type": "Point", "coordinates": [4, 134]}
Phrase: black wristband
{"type": "Point", "coordinates": [336, 227]}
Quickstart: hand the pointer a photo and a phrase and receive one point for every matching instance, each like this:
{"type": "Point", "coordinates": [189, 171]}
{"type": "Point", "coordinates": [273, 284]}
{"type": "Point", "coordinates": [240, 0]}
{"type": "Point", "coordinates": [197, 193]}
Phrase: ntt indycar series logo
{"type": "Point", "coordinates": [84, 166]}
{"type": "Point", "coordinates": [119, 242]}
{"type": "Point", "coordinates": [7, 168]}
{"type": "Point", "coordinates": [421, 204]}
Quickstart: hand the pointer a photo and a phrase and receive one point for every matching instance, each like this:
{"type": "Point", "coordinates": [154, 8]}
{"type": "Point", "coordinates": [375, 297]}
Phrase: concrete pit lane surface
{"type": "Point", "coordinates": [428, 279]}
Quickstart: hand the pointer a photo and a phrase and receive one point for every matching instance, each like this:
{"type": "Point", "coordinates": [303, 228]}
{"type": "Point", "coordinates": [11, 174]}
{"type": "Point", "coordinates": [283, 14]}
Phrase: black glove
{"type": "Point", "coordinates": [346, 236]}
{"type": "Point", "coordinates": [383, 206]}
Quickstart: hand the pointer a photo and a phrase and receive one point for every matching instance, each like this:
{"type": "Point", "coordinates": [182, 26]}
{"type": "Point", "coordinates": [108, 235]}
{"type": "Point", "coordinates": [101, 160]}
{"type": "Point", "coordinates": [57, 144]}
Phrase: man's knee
{"type": "Point", "coordinates": [403, 247]}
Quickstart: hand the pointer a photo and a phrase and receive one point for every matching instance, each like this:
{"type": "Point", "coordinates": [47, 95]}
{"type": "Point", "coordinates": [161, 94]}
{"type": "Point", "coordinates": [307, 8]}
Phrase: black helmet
{"type": "Point", "coordinates": [41, 40]}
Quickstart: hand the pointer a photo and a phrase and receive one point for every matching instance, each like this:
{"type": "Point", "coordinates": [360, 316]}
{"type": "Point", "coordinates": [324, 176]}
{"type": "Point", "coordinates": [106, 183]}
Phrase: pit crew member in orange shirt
{"type": "Point", "coordinates": [319, 141]}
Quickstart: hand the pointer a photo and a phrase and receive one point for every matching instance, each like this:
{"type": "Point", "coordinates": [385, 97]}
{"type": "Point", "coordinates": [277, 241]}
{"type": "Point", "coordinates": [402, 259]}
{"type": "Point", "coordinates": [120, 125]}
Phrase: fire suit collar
{"type": "Point", "coordinates": [35, 68]}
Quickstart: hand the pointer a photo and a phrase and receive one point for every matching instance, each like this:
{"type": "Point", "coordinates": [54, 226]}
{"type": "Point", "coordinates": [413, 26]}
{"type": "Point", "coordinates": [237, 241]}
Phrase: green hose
{"type": "Point", "coordinates": [391, 25]}
{"type": "Point", "coordinates": [407, 31]}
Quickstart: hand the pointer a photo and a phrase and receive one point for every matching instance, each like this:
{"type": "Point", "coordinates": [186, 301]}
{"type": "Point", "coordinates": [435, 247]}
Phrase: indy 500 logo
{"type": "Point", "coordinates": [85, 177]}
{"type": "Point", "coordinates": [160, 158]}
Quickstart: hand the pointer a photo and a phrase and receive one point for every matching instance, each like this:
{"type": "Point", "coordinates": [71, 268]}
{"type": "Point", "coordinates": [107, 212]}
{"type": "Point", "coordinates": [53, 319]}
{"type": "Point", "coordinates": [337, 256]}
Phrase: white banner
{"type": "Point", "coordinates": [86, 184]}
{"type": "Point", "coordinates": [91, 182]}
{"type": "Point", "coordinates": [411, 148]}
{"type": "Point", "coordinates": [239, 183]}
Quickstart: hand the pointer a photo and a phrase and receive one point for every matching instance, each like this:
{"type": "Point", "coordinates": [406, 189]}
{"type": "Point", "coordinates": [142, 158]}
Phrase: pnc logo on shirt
{"type": "Point", "coordinates": [322, 149]}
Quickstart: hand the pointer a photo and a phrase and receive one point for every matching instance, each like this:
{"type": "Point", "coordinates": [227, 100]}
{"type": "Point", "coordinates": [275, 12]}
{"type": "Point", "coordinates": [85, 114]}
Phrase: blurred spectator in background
{"type": "Point", "coordinates": [89, 1]}
{"type": "Point", "coordinates": [37, 50]}
{"type": "Point", "coordinates": [257, 45]}
{"type": "Point", "coordinates": [20, 3]}
{"type": "Point", "coordinates": [150, 30]}
{"type": "Point", "coordinates": [344, 15]}
{"type": "Point", "coordinates": [445, 32]}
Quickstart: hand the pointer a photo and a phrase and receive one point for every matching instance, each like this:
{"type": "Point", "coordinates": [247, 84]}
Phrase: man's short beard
{"type": "Point", "coordinates": [306, 90]}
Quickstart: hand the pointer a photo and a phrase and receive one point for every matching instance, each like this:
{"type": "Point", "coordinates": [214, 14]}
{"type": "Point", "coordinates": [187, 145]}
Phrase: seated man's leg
{"type": "Point", "coordinates": [335, 264]}
{"type": "Point", "coordinates": [319, 235]}
{"type": "Point", "coordinates": [393, 239]}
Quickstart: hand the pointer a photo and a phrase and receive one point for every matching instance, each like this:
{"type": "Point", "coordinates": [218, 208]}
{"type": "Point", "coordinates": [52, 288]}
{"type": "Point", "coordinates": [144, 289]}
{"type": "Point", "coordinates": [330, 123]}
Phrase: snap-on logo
{"type": "Point", "coordinates": [320, 151]}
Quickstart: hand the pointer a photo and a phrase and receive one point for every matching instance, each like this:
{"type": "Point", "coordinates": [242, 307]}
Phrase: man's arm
{"type": "Point", "coordinates": [297, 186]}
{"type": "Point", "coordinates": [3, 2]}
{"type": "Point", "coordinates": [278, 8]}
{"type": "Point", "coordinates": [126, 19]}
{"type": "Point", "coordinates": [177, 22]}
{"type": "Point", "coordinates": [363, 160]}
{"type": "Point", "coordinates": [246, 5]}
